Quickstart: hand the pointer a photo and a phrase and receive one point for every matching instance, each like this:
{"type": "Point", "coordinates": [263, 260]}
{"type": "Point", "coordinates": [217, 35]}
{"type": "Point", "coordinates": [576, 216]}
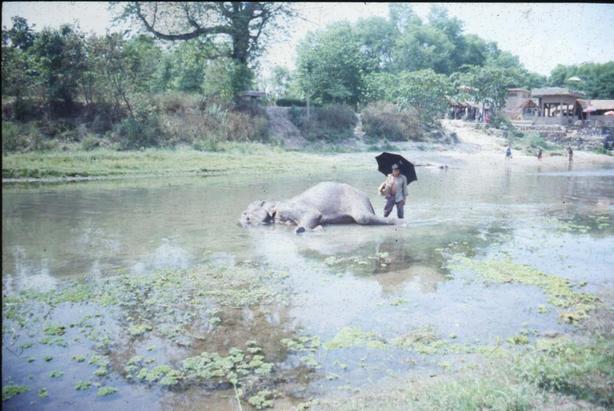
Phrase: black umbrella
{"type": "Point", "coordinates": [386, 160]}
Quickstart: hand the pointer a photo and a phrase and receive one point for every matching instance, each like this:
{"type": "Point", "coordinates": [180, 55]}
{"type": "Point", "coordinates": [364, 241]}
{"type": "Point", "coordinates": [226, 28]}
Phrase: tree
{"type": "Point", "coordinates": [402, 17]}
{"type": "Point", "coordinates": [59, 62]}
{"type": "Point", "coordinates": [422, 90]}
{"type": "Point", "coordinates": [21, 35]}
{"type": "Point", "coordinates": [475, 51]}
{"type": "Point", "coordinates": [597, 80]}
{"type": "Point", "coordinates": [280, 81]}
{"type": "Point", "coordinates": [330, 65]}
{"type": "Point", "coordinates": [490, 83]}
{"type": "Point", "coordinates": [375, 36]}
{"type": "Point", "coordinates": [189, 60]}
{"type": "Point", "coordinates": [423, 47]}
{"type": "Point", "coordinates": [241, 26]}
{"type": "Point", "coordinates": [453, 29]}
{"type": "Point", "coordinates": [17, 71]}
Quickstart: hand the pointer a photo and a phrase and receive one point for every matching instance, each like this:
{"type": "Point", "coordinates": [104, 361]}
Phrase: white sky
{"type": "Point", "coordinates": [541, 35]}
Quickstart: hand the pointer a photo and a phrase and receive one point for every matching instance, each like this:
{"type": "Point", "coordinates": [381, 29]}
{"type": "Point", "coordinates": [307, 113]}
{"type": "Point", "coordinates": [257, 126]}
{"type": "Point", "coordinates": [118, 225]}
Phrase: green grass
{"type": "Point", "coordinates": [248, 158]}
{"type": "Point", "coordinates": [583, 370]}
{"type": "Point", "coordinates": [553, 374]}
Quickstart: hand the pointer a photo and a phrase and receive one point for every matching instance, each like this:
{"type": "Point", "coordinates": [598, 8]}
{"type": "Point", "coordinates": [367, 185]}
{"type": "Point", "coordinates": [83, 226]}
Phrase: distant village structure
{"type": "Point", "coordinates": [547, 106]}
{"type": "Point", "coordinates": [558, 114]}
{"type": "Point", "coordinates": [556, 106]}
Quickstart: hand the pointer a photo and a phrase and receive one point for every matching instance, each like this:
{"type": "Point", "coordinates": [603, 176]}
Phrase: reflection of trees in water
{"type": "Point", "coordinates": [399, 257]}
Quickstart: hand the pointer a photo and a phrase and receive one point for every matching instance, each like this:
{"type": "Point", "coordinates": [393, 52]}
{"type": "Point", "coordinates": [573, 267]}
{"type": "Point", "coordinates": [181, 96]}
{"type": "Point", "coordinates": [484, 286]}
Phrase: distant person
{"type": "Point", "coordinates": [569, 153]}
{"type": "Point", "coordinates": [539, 154]}
{"type": "Point", "coordinates": [508, 152]}
{"type": "Point", "coordinates": [397, 184]}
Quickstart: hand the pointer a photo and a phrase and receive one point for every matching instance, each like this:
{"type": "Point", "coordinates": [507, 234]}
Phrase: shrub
{"type": "Point", "coordinates": [215, 123]}
{"type": "Point", "coordinates": [89, 143]}
{"type": "Point", "coordinates": [132, 133]}
{"type": "Point", "coordinates": [244, 127]}
{"type": "Point", "coordinates": [382, 120]}
{"type": "Point", "coordinates": [13, 137]}
{"type": "Point", "coordinates": [499, 121]}
{"type": "Point", "coordinates": [24, 137]}
{"type": "Point", "coordinates": [328, 123]}
{"type": "Point", "coordinates": [101, 117]}
{"type": "Point", "coordinates": [176, 101]}
{"type": "Point", "coordinates": [290, 102]}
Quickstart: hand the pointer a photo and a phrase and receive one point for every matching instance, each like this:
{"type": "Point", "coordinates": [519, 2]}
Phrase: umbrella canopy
{"type": "Point", "coordinates": [386, 160]}
{"type": "Point", "coordinates": [609, 113]}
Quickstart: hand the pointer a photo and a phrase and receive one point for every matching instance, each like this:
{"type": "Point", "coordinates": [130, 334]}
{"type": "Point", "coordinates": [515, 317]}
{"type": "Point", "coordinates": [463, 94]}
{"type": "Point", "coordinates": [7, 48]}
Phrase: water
{"type": "Point", "coordinates": [559, 221]}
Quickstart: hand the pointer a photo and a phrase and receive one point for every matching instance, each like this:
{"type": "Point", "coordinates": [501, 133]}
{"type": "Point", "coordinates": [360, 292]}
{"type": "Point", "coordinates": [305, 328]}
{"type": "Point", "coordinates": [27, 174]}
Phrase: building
{"type": "Point", "coordinates": [519, 105]}
{"type": "Point", "coordinates": [557, 105]}
{"type": "Point", "coordinates": [593, 111]}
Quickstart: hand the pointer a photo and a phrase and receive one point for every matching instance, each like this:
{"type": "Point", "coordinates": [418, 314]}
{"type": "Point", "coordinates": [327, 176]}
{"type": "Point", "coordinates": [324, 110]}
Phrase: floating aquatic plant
{"type": "Point", "coordinates": [83, 385]}
{"type": "Point", "coordinates": [105, 391]}
{"type": "Point", "coordinates": [9, 391]}
{"type": "Point", "coordinates": [560, 291]}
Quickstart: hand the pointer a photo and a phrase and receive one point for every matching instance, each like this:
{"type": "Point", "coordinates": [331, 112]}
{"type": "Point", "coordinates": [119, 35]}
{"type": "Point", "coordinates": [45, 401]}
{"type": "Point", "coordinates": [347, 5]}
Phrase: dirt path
{"type": "Point", "coordinates": [480, 146]}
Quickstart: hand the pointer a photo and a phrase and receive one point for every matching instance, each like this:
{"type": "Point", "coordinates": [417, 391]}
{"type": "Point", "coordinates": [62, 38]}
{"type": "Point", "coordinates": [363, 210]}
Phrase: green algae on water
{"type": "Point", "coordinates": [349, 337]}
{"type": "Point", "coordinates": [263, 399]}
{"type": "Point", "coordinates": [105, 391]}
{"type": "Point", "coordinates": [9, 391]}
{"type": "Point", "coordinates": [560, 291]}
{"type": "Point", "coordinates": [83, 385]}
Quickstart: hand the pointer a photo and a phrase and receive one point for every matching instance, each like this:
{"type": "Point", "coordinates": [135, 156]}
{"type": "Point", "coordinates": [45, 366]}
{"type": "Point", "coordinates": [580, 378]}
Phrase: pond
{"type": "Point", "coordinates": [307, 315]}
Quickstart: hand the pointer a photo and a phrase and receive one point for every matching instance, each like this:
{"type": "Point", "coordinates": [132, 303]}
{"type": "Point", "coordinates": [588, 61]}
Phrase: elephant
{"type": "Point", "coordinates": [325, 203]}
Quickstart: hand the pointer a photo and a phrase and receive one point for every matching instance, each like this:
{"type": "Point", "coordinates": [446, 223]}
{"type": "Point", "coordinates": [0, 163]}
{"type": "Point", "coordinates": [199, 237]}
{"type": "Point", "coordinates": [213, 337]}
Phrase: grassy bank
{"type": "Point", "coordinates": [555, 373]}
{"type": "Point", "coordinates": [235, 158]}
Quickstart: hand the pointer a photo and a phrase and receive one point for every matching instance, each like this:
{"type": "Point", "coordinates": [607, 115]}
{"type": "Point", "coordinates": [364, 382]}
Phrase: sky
{"type": "Point", "coordinates": [542, 35]}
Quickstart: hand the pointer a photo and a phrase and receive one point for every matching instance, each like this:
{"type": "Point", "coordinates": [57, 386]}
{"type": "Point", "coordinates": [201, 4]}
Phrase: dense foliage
{"type": "Point", "coordinates": [405, 60]}
{"type": "Point", "coordinates": [77, 86]}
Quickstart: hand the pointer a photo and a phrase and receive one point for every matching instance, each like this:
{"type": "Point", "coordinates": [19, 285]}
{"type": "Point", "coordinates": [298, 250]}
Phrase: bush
{"type": "Point", "coordinates": [90, 143]}
{"type": "Point", "coordinates": [13, 138]}
{"type": "Point", "coordinates": [176, 101]}
{"type": "Point", "coordinates": [131, 133]}
{"type": "Point", "coordinates": [215, 123]}
{"type": "Point", "coordinates": [382, 120]}
{"type": "Point", "coordinates": [290, 102]}
{"type": "Point", "coordinates": [330, 123]}
{"type": "Point", "coordinates": [23, 137]}
{"type": "Point", "coordinates": [500, 121]}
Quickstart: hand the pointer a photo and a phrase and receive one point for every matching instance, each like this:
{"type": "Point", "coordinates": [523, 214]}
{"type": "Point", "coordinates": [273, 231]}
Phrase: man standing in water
{"type": "Point", "coordinates": [398, 192]}
{"type": "Point", "coordinates": [570, 153]}
{"type": "Point", "coordinates": [508, 152]}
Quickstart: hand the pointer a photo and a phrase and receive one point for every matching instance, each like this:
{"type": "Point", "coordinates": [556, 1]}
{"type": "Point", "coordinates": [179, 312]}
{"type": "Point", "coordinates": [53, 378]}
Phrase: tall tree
{"type": "Point", "coordinates": [243, 26]}
{"type": "Point", "coordinates": [330, 65]}
{"type": "Point", "coordinates": [17, 67]}
{"type": "Point", "coordinates": [423, 47]}
{"type": "Point", "coordinates": [376, 38]}
{"type": "Point", "coordinates": [59, 62]}
{"type": "Point", "coordinates": [402, 16]}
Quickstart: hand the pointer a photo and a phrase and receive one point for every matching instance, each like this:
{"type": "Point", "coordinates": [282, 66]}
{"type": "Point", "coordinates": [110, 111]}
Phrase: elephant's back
{"type": "Point", "coordinates": [333, 197]}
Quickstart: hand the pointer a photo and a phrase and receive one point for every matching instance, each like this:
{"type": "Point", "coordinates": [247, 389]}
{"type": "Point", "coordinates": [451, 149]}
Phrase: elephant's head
{"type": "Point", "coordinates": [258, 212]}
